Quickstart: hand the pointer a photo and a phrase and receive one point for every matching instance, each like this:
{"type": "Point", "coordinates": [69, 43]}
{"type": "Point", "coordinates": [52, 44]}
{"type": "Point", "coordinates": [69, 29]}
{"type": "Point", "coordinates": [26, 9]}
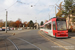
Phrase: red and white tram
{"type": "Point", "coordinates": [56, 27]}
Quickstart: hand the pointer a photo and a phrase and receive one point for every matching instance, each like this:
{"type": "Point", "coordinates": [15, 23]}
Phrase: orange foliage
{"type": "Point", "coordinates": [25, 23]}
{"type": "Point", "coordinates": [12, 24]}
{"type": "Point", "coordinates": [60, 8]}
{"type": "Point", "coordinates": [71, 27]}
{"type": "Point", "coordinates": [18, 23]}
{"type": "Point", "coordinates": [1, 23]}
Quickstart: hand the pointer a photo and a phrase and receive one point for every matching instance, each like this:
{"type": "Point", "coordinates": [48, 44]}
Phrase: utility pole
{"type": "Point", "coordinates": [6, 22]}
{"type": "Point", "coordinates": [55, 11]}
{"type": "Point", "coordinates": [49, 16]}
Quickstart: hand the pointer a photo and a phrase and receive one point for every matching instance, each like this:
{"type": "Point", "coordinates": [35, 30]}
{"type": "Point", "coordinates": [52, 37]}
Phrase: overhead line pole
{"type": "Point", "coordinates": [55, 11]}
{"type": "Point", "coordinates": [49, 16]}
{"type": "Point", "coordinates": [6, 21]}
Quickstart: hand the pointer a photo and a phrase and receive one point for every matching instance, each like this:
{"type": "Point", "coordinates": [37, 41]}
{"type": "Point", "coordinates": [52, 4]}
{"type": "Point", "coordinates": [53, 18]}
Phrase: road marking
{"type": "Point", "coordinates": [13, 44]}
{"type": "Point", "coordinates": [52, 41]}
{"type": "Point", "coordinates": [28, 43]}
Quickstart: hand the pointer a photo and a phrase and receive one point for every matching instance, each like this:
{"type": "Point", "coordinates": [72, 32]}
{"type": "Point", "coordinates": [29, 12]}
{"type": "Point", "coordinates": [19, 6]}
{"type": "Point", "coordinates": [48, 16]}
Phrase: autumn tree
{"type": "Point", "coordinates": [60, 9]}
{"type": "Point", "coordinates": [18, 23]}
{"type": "Point", "coordinates": [25, 23]}
{"type": "Point", "coordinates": [1, 23]}
{"type": "Point", "coordinates": [69, 9]}
{"type": "Point", "coordinates": [12, 24]}
{"type": "Point", "coordinates": [46, 21]}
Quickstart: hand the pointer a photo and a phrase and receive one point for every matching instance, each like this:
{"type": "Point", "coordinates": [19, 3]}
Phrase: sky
{"type": "Point", "coordinates": [40, 10]}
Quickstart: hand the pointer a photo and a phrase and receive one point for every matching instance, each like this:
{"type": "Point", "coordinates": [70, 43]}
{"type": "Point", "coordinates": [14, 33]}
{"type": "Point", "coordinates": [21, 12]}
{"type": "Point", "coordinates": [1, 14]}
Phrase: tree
{"type": "Point", "coordinates": [31, 24]}
{"type": "Point", "coordinates": [1, 23]}
{"type": "Point", "coordinates": [41, 23]}
{"type": "Point", "coordinates": [46, 21]}
{"type": "Point", "coordinates": [18, 23]}
{"type": "Point", "coordinates": [12, 24]}
{"type": "Point", "coordinates": [25, 23]}
{"type": "Point", "coordinates": [60, 9]}
{"type": "Point", "coordinates": [69, 6]}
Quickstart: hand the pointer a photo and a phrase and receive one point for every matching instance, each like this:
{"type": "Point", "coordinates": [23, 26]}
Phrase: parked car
{"type": "Point", "coordinates": [19, 28]}
{"type": "Point", "coordinates": [3, 28]}
{"type": "Point", "coordinates": [11, 28]}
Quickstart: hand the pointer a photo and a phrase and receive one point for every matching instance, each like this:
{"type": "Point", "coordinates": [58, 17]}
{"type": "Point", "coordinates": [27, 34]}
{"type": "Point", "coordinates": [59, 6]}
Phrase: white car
{"type": "Point", "coordinates": [19, 28]}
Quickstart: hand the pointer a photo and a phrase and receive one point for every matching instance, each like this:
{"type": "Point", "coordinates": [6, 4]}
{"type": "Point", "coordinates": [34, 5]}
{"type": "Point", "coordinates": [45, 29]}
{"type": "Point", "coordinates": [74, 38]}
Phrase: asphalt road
{"type": "Point", "coordinates": [35, 40]}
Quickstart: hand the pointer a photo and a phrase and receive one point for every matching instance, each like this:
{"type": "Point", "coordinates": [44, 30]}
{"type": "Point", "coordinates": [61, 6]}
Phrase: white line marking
{"type": "Point", "coordinates": [28, 42]}
{"type": "Point", "coordinates": [13, 44]}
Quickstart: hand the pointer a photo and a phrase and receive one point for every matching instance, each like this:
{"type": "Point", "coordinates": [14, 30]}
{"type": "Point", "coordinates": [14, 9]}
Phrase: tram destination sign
{"type": "Point", "coordinates": [60, 19]}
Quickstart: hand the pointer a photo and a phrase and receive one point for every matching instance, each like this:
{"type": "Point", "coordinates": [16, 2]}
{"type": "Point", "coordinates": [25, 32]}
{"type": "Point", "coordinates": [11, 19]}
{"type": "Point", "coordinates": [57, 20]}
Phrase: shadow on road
{"type": "Point", "coordinates": [71, 34]}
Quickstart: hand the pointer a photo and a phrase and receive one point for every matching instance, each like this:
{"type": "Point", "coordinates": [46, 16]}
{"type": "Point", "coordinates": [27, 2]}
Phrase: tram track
{"type": "Point", "coordinates": [34, 47]}
{"type": "Point", "coordinates": [6, 45]}
{"type": "Point", "coordinates": [61, 42]}
{"type": "Point", "coordinates": [3, 45]}
{"type": "Point", "coordinates": [14, 43]}
{"type": "Point", "coordinates": [70, 40]}
{"type": "Point", "coordinates": [58, 40]}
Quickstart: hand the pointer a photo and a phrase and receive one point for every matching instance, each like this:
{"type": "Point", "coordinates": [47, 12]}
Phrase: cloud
{"type": "Point", "coordinates": [25, 12]}
{"type": "Point", "coordinates": [9, 2]}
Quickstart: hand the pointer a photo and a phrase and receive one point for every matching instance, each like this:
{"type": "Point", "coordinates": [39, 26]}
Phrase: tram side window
{"type": "Point", "coordinates": [49, 26]}
{"type": "Point", "coordinates": [46, 26]}
{"type": "Point", "coordinates": [54, 26]}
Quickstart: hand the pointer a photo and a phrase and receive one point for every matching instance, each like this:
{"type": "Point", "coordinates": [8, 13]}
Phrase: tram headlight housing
{"type": "Point", "coordinates": [58, 33]}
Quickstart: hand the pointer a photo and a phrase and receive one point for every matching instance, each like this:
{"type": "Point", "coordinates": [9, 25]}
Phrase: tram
{"type": "Point", "coordinates": [56, 27]}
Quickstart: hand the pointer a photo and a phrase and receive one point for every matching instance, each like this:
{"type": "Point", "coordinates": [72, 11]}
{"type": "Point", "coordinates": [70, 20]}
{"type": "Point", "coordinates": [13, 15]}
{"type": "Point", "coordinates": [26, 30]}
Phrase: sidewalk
{"type": "Point", "coordinates": [15, 31]}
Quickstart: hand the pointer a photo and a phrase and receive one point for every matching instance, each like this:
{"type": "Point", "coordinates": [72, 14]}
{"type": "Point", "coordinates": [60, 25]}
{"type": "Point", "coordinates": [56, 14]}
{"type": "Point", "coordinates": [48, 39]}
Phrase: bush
{"type": "Point", "coordinates": [69, 30]}
{"type": "Point", "coordinates": [73, 30]}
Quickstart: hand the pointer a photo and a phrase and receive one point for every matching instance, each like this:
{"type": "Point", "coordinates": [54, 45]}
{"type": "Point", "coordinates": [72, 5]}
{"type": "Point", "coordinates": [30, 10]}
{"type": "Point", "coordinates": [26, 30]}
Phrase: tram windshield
{"type": "Point", "coordinates": [61, 25]}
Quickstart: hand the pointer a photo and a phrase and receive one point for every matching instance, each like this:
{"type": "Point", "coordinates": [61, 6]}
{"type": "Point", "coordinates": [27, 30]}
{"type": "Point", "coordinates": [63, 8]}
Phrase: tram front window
{"type": "Point", "coordinates": [61, 25]}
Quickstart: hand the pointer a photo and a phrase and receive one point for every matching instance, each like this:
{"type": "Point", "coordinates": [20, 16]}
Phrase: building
{"type": "Point", "coordinates": [36, 25]}
{"type": "Point", "coordinates": [72, 18]}
{"type": "Point", "coordinates": [71, 22]}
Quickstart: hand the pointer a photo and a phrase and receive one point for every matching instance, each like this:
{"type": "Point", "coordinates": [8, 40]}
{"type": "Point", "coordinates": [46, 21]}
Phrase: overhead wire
{"type": "Point", "coordinates": [36, 3]}
{"type": "Point", "coordinates": [12, 5]}
{"type": "Point", "coordinates": [7, 8]}
{"type": "Point", "coordinates": [57, 2]}
{"type": "Point", "coordinates": [54, 6]}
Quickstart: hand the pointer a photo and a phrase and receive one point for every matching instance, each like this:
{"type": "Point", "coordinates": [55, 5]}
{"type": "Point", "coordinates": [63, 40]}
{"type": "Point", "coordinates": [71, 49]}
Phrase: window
{"type": "Point", "coordinates": [48, 26]}
{"type": "Point", "coordinates": [54, 26]}
{"type": "Point", "coordinates": [61, 25]}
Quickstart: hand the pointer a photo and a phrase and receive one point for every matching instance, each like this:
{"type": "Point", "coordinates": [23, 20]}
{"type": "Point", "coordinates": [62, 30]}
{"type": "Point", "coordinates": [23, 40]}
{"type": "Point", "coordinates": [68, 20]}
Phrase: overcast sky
{"type": "Point", "coordinates": [40, 11]}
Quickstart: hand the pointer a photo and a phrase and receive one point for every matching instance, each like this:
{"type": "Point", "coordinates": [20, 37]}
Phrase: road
{"type": "Point", "coordinates": [34, 40]}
